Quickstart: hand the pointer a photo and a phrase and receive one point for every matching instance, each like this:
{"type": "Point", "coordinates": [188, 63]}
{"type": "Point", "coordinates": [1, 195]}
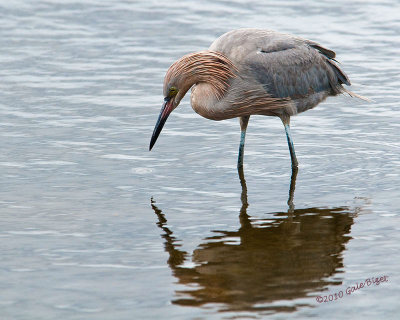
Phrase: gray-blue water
{"type": "Point", "coordinates": [94, 226]}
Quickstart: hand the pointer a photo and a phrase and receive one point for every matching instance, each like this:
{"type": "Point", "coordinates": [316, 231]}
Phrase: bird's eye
{"type": "Point", "coordinates": [173, 91]}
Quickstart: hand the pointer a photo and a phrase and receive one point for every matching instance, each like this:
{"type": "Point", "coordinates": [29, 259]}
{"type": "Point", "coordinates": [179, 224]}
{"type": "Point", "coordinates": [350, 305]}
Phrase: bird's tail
{"type": "Point", "coordinates": [355, 95]}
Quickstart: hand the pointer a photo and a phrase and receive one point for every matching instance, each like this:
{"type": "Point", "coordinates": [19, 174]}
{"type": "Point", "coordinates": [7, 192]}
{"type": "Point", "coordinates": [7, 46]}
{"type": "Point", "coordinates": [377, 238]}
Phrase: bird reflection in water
{"type": "Point", "coordinates": [287, 256]}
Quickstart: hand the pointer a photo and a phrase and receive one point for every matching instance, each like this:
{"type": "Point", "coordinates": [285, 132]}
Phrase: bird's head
{"type": "Point", "coordinates": [204, 66]}
{"type": "Point", "coordinates": [176, 84]}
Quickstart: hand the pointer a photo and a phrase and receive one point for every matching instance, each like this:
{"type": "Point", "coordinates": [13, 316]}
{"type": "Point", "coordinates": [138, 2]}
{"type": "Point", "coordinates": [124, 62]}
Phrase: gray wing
{"type": "Point", "coordinates": [295, 70]}
{"type": "Point", "coordinates": [286, 65]}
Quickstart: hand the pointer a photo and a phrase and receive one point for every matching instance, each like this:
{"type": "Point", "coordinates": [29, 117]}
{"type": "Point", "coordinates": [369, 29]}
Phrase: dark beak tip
{"type": "Point", "coordinates": [160, 123]}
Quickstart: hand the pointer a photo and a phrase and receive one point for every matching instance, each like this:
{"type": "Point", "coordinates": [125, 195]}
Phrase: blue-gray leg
{"type": "Point", "coordinates": [291, 146]}
{"type": "Point", "coordinates": [243, 126]}
{"type": "Point", "coordinates": [241, 148]}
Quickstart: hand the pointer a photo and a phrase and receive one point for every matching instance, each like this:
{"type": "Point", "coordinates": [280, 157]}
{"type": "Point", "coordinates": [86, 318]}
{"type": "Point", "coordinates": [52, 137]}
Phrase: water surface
{"type": "Point", "coordinates": [95, 226]}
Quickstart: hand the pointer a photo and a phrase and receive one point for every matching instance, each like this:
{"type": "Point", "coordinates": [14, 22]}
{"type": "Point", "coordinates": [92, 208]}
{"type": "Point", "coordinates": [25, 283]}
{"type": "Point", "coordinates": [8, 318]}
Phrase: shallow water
{"type": "Point", "coordinates": [95, 226]}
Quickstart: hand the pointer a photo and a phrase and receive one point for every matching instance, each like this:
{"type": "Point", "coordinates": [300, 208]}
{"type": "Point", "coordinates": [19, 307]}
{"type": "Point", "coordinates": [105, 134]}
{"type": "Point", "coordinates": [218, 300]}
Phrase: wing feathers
{"type": "Point", "coordinates": [342, 77]}
{"type": "Point", "coordinates": [298, 72]}
{"type": "Point", "coordinates": [326, 52]}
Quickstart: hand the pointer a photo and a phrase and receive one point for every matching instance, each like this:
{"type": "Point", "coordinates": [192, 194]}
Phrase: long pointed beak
{"type": "Point", "coordinates": [166, 109]}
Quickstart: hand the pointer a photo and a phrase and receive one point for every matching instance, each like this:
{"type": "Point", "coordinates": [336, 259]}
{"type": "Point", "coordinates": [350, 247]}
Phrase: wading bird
{"type": "Point", "coordinates": [254, 72]}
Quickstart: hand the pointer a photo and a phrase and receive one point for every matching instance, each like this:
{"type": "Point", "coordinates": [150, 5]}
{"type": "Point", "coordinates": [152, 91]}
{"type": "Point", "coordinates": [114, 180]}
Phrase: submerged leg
{"type": "Point", "coordinates": [292, 188]}
{"type": "Point", "coordinates": [243, 126]}
{"type": "Point", "coordinates": [290, 143]}
{"type": "Point", "coordinates": [243, 216]}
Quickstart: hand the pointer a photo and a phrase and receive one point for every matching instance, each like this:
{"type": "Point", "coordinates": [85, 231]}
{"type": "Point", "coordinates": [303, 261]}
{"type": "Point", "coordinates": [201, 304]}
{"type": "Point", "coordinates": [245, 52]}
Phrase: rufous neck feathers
{"type": "Point", "coordinates": [205, 66]}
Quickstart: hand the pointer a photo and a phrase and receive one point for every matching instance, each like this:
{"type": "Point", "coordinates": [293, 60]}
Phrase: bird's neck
{"type": "Point", "coordinates": [205, 102]}
{"type": "Point", "coordinates": [209, 67]}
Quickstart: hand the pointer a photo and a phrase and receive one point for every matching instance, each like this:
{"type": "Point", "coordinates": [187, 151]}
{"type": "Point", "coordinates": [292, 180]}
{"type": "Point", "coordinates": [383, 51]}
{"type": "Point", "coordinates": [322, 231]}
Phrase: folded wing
{"type": "Point", "coordinates": [296, 69]}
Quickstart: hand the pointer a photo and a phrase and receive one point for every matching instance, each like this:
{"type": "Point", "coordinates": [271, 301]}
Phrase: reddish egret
{"type": "Point", "coordinates": [253, 72]}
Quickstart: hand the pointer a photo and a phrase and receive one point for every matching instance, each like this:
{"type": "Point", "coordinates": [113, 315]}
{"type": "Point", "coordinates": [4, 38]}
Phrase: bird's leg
{"type": "Point", "coordinates": [292, 188]}
{"type": "Point", "coordinates": [243, 126]}
{"type": "Point", "coordinates": [286, 123]}
{"type": "Point", "coordinates": [243, 216]}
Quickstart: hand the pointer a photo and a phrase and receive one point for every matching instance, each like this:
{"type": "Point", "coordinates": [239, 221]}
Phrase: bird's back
{"type": "Point", "coordinates": [289, 68]}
